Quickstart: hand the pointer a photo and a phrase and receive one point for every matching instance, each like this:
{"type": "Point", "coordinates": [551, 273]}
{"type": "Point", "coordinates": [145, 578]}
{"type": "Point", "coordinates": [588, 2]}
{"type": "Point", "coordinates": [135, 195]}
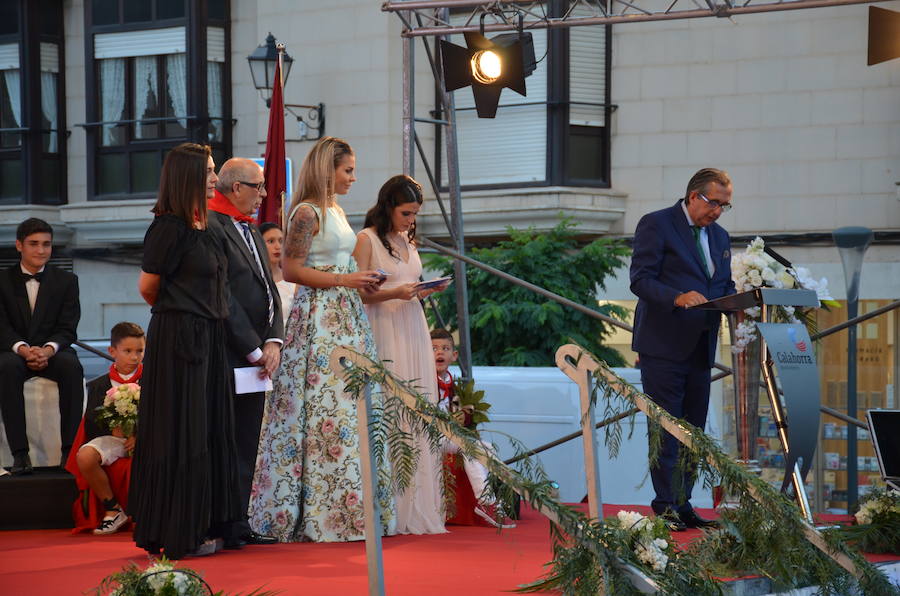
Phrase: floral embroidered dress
{"type": "Point", "coordinates": [308, 480]}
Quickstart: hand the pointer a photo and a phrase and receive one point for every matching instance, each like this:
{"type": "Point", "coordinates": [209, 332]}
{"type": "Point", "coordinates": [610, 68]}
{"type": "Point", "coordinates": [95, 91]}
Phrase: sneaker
{"type": "Point", "coordinates": [492, 515]}
{"type": "Point", "coordinates": [111, 524]}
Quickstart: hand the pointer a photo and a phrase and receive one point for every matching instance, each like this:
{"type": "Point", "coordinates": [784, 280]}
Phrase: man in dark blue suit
{"type": "Point", "coordinates": [681, 258]}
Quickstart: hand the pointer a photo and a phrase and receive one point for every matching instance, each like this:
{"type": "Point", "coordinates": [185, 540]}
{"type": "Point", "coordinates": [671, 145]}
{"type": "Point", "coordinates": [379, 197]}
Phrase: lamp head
{"type": "Point", "coordinates": [262, 66]}
{"type": "Point", "coordinates": [488, 65]}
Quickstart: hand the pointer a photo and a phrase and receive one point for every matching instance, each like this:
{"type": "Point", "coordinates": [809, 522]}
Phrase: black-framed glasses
{"type": "Point", "coordinates": [713, 203]}
{"type": "Point", "coordinates": [259, 186]}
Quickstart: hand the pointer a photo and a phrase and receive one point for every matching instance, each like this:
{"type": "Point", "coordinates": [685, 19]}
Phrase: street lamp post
{"type": "Point", "coordinates": [852, 243]}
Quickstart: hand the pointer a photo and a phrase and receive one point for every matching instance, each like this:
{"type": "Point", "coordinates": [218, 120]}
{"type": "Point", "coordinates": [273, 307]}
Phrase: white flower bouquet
{"type": "Point", "coordinates": [120, 407]}
{"type": "Point", "coordinates": [877, 528]}
{"type": "Point", "coordinates": [160, 578]}
{"type": "Point", "coordinates": [754, 268]}
{"type": "Point", "coordinates": [648, 538]}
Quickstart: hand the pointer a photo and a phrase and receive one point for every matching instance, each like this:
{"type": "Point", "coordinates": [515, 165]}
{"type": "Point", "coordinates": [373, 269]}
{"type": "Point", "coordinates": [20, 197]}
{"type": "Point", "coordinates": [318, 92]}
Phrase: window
{"type": "Point", "coordinates": [31, 116]}
{"type": "Point", "coordinates": [557, 135]}
{"type": "Point", "coordinates": [141, 85]}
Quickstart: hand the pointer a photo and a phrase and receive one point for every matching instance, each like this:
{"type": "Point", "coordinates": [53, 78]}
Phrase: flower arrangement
{"type": "Point", "coordinates": [648, 538]}
{"type": "Point", "coordinates": [160, 578]}
{"type": "Point", "coordinates": [120, 406]}
{"type": "Point", "coordinates": [471, 407]}
{"type": "Point", "coordinates": [878, 523]}
{"type": "Point", "coordinates": [754, 268]}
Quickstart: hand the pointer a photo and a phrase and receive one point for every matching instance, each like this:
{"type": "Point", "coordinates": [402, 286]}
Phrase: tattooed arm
{"type": "Point", "coordinates": [301, 230]}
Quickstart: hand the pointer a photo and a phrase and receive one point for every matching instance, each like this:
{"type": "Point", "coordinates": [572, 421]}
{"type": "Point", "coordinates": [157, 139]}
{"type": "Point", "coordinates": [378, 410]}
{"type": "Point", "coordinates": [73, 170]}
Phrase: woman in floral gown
{"type": "Point", "coordinates": [308, 480]}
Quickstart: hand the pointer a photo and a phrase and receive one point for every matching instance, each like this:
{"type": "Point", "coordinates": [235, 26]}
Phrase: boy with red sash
{"type": "Point", "coordinates": [100, 458]}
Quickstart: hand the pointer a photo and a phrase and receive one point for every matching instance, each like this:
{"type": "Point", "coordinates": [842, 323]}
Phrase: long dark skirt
{"type": "Point", "coordinates": [184, 477]}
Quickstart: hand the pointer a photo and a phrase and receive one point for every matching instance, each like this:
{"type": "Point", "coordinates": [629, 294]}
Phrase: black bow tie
{"type": "Point", "coordinates": [28, 277]}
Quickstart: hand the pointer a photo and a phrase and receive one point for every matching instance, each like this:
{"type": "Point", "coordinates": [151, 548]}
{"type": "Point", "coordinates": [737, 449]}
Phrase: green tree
{"type": "Point", "coordinates": [513, 326]}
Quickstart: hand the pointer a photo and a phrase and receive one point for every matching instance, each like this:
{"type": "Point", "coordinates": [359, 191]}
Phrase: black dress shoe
{"type": "Point", "coordinates": [252, 537]}
{"type": "Point", "coordinates": [673, 521]}
{"type": "Point", "coordinates": [691, 520]}
{"type": "Point", "coordinates": [21, 465]}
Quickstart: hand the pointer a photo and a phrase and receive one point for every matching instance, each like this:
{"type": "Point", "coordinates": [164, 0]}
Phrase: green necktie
{"type": "Point", "coordinates": [696, 231]}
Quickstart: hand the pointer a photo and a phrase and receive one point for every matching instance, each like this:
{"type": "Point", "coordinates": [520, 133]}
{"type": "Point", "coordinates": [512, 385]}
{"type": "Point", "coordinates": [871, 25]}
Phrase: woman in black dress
{"type": "Point", "coordinates": [184, 483]}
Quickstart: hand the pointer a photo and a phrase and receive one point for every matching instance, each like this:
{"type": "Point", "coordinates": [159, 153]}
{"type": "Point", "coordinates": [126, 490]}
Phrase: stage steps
{"type": "Point", "coordinates": [38, 501]}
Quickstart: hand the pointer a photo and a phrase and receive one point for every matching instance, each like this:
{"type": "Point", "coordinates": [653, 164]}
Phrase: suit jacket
{"type": "Point", "coordinates": [57, 309]}
{"type": "Point", "coordinates": [248, 325]}
{"type": "Point", "coordinates": [665, 263]}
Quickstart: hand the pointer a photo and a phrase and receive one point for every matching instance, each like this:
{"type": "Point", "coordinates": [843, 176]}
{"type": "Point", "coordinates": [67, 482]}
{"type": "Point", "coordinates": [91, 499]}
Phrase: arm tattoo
{"type": "Point", "coordinates": [300, 234]}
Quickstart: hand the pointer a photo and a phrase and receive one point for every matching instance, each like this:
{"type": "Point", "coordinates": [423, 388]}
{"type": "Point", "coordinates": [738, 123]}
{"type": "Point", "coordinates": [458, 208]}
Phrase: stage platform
{"type": "Point", "coordinates": [467, 561]}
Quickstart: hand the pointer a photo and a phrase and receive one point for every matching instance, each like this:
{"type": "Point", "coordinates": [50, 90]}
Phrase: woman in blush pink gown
{"type": "Point", "coordinates": [401, 333]}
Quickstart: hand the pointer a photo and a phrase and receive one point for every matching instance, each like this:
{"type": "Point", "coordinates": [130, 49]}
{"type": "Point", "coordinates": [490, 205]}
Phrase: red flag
{"type": "Point", "coordinates": [274, 171]}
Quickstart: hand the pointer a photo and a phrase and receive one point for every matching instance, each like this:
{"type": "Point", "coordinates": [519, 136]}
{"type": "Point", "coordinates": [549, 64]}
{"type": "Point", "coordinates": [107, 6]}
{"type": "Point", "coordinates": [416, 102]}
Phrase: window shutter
{"type": "Point", "coordinates": [215, 44]}
{"type": "Point", "coordinates": [587, 72]}
{"type": "Point", "coordinates": [9, 56]}
{"type": "Point", "coordinates": [148, 42]}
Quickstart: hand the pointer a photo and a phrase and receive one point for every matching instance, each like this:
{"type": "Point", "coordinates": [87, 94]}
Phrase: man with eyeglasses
{"type": "Point", "coordinates": [681, 258]}
{"type": "Point", "coordinates": [255, 325]}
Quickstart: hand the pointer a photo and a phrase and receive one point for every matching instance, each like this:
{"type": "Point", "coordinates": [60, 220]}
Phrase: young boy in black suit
{"type": "Point", "coordinates": [39, 313]}
{"type": "Point", "coordinates": [98, 444]}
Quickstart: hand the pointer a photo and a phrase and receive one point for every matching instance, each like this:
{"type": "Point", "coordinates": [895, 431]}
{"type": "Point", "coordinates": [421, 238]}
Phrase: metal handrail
{"type": "Point", "coordinates": [93, 350]}
{"type": "Point", "coordinates": [539, 290]}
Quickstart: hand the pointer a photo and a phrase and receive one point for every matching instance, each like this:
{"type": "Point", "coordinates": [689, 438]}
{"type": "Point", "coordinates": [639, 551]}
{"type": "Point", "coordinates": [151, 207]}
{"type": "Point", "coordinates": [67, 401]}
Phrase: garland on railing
{"type": "Point", "coordinates": [590, 556]}
{"type": "Point", "coordinates": [610, 548]}
{"type": "Point", "coordinates": [765, 534]}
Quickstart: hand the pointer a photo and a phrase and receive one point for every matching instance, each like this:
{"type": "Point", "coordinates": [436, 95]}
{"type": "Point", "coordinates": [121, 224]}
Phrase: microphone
{"type": "Point", "coordinates": [771, 252]}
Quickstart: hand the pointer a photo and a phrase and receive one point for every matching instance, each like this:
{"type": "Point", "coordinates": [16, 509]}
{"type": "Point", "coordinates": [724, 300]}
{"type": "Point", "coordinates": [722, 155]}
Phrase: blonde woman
{"type": "Point", "coordinates": [308, 480]}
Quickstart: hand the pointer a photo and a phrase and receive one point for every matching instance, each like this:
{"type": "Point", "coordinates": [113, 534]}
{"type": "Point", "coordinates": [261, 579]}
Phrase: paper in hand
{"type": "Point", "coordinates": [246, 380]}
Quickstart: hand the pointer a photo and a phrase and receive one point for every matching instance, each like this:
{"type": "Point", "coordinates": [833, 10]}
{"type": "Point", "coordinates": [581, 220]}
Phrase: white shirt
{"type": "Point", "coordinates": [31, 288]}
{"type": "Point", "coordinates": [704, 240]}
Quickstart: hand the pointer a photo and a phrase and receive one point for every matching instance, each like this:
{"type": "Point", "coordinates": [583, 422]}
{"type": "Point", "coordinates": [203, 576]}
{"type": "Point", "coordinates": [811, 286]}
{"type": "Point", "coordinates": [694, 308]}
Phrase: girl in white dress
{"type": "Point", "coordinates": [401, 333]}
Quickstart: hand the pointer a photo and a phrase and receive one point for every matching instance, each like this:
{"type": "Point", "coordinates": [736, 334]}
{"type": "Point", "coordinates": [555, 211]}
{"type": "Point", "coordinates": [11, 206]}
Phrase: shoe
{"type": "Point", "coordinates": [494, 516]}
{"type": "Point", "coordinates": [673, 521]}
{"type": "Point", "coordinates": [207, 547]}
{"type": "Point", "coordinates": [252, 537]}
{"type": "Point", "coordinates": [21, 465]}
{"type": "Point", "coordinates": [111, 524]}
{"type": "Point", "coordinates": [691, 520]}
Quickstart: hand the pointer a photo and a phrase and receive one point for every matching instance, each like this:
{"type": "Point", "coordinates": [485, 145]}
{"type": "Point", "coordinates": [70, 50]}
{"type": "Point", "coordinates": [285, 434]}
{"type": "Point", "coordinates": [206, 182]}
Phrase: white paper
{"type": "Point", "coordinates": [246, 380]}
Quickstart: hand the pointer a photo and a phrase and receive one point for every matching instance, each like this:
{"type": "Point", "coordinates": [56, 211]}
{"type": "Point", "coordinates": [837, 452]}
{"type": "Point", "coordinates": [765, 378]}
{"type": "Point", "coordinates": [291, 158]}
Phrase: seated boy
{"type": "Point", "coordinates": [101, 446]}
{"type": "Point", "coordinates": [39, 314]}
{"type": "Point", "coordinates": [445, 354]}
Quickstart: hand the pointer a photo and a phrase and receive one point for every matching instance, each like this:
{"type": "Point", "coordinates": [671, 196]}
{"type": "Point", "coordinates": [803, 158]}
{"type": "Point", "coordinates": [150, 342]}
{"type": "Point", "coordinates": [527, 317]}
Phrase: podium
{"type": "Point", "coordinates": [787, 349]}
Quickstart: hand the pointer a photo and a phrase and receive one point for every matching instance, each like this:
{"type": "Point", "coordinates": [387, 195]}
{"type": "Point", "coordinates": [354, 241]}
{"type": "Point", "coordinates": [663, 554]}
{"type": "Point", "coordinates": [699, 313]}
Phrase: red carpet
{"type": "Point", "coordinates": [469, 560]}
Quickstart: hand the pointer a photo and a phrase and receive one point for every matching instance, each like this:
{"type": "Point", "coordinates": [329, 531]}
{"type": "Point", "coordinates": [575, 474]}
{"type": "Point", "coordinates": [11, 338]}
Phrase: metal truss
{"type": "Point", "coordinates": [502, 15]}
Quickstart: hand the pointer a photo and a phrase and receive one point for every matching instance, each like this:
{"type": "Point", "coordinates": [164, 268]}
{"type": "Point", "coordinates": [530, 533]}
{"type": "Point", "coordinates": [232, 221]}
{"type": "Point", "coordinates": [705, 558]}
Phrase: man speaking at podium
{"type": "Point", "coordinates": [681, 258]}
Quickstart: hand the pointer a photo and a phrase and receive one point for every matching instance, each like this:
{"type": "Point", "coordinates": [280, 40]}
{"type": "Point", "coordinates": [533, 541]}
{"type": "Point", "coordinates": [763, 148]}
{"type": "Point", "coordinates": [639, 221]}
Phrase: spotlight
{"type": "Point", "coordinates": [486, 67]}
{"type": "Point", "coordinates": [489, 65]}
{"type": "Point", "coordinates": [884, 35]}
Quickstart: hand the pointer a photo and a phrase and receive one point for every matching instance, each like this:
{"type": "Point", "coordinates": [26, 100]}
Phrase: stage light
{"type": "Point", "coordinates": [884, 35]}
{"type": "Point", "coordinates": [488, 65]}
